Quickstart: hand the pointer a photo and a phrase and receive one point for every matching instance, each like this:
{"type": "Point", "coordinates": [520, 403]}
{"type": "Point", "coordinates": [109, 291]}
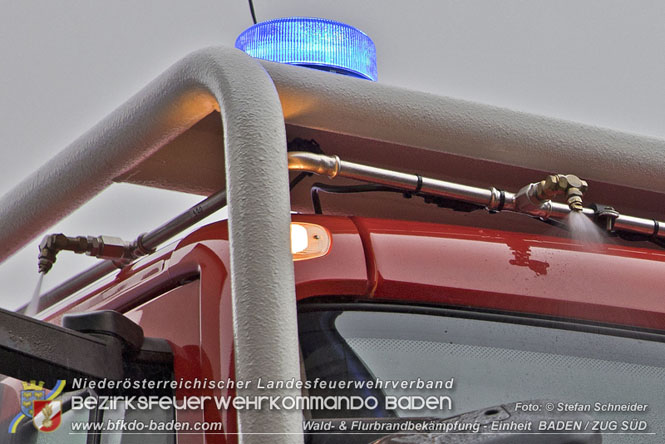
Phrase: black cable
{"type": "Point", "coordinates": [554, 223]}
{"type": "Point", "coordinates": [658, 241]}
{"type": "Point", "coordinates": [296, 180]}
{"type": "Point", "coordinates": [439, 201]}
{"type": "Point", "coordinates": [343, 189]}
{"type": "Point", "coordinates": [251, 10]}
{"type": "Point", "coordinates": [298, 144]}
{"type": "Point", "coordinates": [637, 237]}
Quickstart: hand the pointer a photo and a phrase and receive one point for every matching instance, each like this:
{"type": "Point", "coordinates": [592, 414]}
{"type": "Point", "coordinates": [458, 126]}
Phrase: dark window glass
{"type": "Point", "coordinates": [492, 363]}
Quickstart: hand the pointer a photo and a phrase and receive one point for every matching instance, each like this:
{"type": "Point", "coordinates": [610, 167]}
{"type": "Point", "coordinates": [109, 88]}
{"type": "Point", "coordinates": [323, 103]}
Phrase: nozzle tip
{"type": "Point", "coordinates": [576, 206]}
{"type": "Point", "coordinates": [575, 203]}
{"type": "Point", "coordinates": [44, 265]}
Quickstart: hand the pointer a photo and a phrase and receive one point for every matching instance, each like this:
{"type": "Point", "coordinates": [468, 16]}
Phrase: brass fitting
{"type": "Point", "coordinates": [569, 184]}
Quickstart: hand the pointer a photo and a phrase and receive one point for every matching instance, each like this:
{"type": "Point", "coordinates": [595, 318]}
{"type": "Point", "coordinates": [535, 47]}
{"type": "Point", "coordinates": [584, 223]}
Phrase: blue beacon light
{"type": "Point", "coordinates": [314, 43]}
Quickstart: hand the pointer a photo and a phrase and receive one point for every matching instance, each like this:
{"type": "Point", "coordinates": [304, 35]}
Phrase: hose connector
{"type": "Point", "coordinates": [530, 201]}
{"type": "Point", "coordinates": [534, 199]}
{"type": "Point", "coordinates": [103, 247]}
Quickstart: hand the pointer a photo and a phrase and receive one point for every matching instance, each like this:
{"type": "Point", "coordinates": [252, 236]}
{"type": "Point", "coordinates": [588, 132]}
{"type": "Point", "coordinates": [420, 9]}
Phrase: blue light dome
{"type": "Point", "coordinates": [314, 43]}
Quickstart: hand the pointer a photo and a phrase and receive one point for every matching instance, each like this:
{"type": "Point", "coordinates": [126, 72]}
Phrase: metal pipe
{"type": "Point", "coordinates": [330, 166]}
{"type": "Point", "coordinates": [647, 227]}
{"type": "Point", "coordinates": [526, 201]}
{"type": "Point", "coordinates": [333, 166]}
{"type": "Point", "coordinates": [144, 244]}
{"type": "Point", "coordinates": [148, 242]}
{"type": "Point", "coordinates": [262, 283]}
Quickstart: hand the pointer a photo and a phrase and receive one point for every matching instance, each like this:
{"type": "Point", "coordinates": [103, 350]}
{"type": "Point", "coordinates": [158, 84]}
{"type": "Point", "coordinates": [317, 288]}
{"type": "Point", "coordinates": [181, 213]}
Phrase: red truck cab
{"type": "Point", "coordinates": [496, 312]}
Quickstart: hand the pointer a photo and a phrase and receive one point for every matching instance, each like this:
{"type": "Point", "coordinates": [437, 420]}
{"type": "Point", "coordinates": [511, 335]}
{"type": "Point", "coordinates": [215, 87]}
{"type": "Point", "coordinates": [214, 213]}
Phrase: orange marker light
{"type": "Point", "coordinates": [309, 241]}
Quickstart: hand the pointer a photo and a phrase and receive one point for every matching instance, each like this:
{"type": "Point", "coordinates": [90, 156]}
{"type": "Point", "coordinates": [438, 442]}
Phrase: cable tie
{"type": "Point", "coordinates": [419, 185]}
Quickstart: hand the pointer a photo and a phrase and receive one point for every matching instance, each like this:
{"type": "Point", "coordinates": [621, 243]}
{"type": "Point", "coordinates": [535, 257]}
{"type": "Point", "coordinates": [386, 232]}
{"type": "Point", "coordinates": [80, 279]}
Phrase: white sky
{"type": "Point", "coordinates": [65, 64]}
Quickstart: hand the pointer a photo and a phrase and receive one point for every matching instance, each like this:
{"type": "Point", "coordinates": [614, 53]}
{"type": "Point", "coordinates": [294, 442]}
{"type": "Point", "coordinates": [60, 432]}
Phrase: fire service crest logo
{"type": "Point", "coordinates": [41, 405]}
{"type": "Point", "coordinates": [48, 415]}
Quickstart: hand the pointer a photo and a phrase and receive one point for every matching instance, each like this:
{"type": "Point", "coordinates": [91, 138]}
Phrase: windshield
{"type": "Point", "coordinates": [481, 363]}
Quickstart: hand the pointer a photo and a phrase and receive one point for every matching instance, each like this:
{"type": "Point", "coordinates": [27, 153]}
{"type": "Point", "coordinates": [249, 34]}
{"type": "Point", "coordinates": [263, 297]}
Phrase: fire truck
{"type": "Point", "coordinates": [430, 270]}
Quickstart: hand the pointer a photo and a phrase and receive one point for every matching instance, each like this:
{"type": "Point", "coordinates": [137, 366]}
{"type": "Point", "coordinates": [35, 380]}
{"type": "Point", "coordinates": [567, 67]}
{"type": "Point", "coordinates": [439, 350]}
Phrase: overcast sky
{"type": "Point", "coordinates": [65, 64]}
